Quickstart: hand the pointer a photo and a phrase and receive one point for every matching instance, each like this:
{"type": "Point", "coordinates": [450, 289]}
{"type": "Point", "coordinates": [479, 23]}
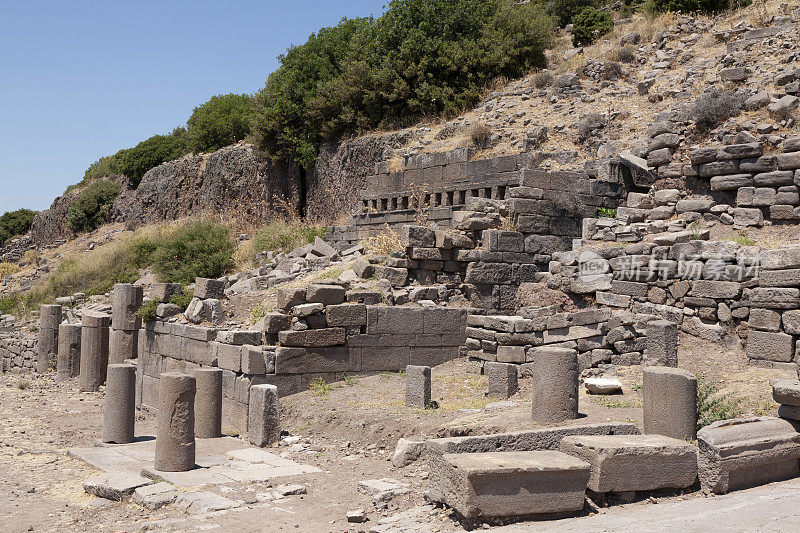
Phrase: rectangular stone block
{"type": "Point", "coordinates": [205, 288]}
{"type": "Point", "coordinates": [240, 337]}
{"type": "Point", "coordinates": [775, 298]}
{"type": "Point", "coordinates": [770, 346]}
{"type": "Point", "coordinates": [716, 289]}
{"type": "Point", "coordinates": [229, 357]}
{"type": "Point", "coordinates": [313, 338]}
{"type": "Point", "coordinates": [263, 420]}
{"type": "Point", "coordinates": [443, 320]}
{"type": "Point", "coordinates": [305, 360]}
{"type": "Point", "coordinates": [390, 319]}
{"type": "Point", "coordinates": [502, 378]}
{"type": "Point", "coordinates": [390, 358]}
{"type": "Point", "coordinates": [746, 452]}
{"type": "Point", "coordinates": [779, 278]}
{"type": "Point", "coordinates": [346, 315]}
{"type": "Point", "coordinates": [418, 386]}
{"type": "Point", "coordinates": [507, 484]}
{"type": "Point", "coordinates": [511, 354]}
{"type": "Point", "coordinates": [764, 319]}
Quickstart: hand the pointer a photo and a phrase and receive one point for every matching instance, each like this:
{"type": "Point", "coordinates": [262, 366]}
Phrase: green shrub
{"type": "Point", "coordinates": [147, 312]}
{"type": "Point", "coordinates": [15, 223]}
{"type": "Point", "coordinates": [105, 166]}
{"type": "Point", "coordinates": [196, 249]}
{"type": "Point", "coordinates": [589, 25]}
{"type": "Point", "coordinates": [714, 107]}
{"type": "Point", "coordinates": [135, 162]}
{"type": "Point", "coordinates": [564, 11]}
{"type": "Point", "coordinates": [223, 120]}
{"type": "Point", "coordinates": [421, 58]}
{"type": "Point", "coordinates": [713, 406]}
{"type": "Point", "coordinates": [282, 236]}
{"type": "Point", "coordinates": [90, 210]}
{"type": "Point", "coordinates": [8, 305]}
{"type": "Point", "coordinates": [182, 299]}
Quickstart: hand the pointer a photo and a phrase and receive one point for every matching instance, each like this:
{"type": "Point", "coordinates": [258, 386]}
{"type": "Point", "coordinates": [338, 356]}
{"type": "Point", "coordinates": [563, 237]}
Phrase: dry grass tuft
{"type": "Point", "coordinates": [383, 243]}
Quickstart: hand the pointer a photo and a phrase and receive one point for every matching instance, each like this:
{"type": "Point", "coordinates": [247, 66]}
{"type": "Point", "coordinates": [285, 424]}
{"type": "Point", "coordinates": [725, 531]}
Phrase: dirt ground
{"type": "Point", "coordinates": [349, 431]}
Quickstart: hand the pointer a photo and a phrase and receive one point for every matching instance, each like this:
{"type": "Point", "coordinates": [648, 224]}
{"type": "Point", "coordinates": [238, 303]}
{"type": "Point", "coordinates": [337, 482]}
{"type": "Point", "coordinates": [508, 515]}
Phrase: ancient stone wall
{"type": "Point", "coordinates": [17, 350]}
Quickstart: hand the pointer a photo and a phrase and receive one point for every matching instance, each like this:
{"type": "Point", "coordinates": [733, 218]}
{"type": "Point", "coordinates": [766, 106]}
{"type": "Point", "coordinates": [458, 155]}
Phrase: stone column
{"type": "Point", "coordinates": [670, 402]}
{"type": "Point", "coordinates": [119, 411]}
{"type": "Point", "coordinates": [69, 351]}
{"type": "Point", "coordinates": [555, 385]}
{"type": "Point", "coordinates": [208, 403]}
{"type": "Point", "coordinates": [418, 386]}
{"type": "Point", "coordinates": [503, 382]}
{"type": "Point", "coordinates": [94, 351]}
{"type": "Point", "coordinates": [661, 348]}
{"type": "Point", "coordinates": [175, 430]}
{"type": "Point", "coordinates": [124, 322]}
{"type": "Point", "coordinates": [263, 417]}
{"type": "Point", "coordinates": [47, 345]}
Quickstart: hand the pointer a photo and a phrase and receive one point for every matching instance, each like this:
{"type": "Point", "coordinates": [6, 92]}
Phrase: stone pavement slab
{"type": "Point", "coordinates": [218, 461]}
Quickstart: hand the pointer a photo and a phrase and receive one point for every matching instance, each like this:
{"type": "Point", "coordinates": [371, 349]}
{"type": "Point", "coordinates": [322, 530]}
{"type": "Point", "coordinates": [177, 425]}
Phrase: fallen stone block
{"type": "Point", "coordinates": [406, 452]}
{"type": "Point", "coordinates": [116, 486]}
{"type": "Point", "coordinates": [602, 386]}
{"type": "Point", "coordinates": [204, 502]}
{"type": "Point", "coordinates": [746, 452]}
{"type": "Point", "coordinates": [155, 496]}
{"type": "Point", "coordinates": [629, 463]}
{"type": "Point", "coordinates": [505, 484]}
{"type": "Point", "coordinates": [786, 391]}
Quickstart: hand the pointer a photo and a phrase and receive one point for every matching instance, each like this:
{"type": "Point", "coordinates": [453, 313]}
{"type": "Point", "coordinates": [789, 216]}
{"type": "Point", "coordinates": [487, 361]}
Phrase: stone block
{"type": "Point", "coordinates": [511, 354]}
{"type": "Point", "coordinates": [779, 278]}
{"type": "Point", "coordinates": [325, 294]}
{"type": "Point", "coordinates": [290, 360]}
{"type": "Point", "coordinates": [289, 297]}
{"type": "Point", "coordinates": [117, 486]}
{"type": "Point", "coordinates": [413, 236]}
{"type": "Point", "coordinates": [508, 484]}
{"type": "Point", "coordinates": [418, 386]}
{"type": "Point", "coordinates": [390, 319]}
{"type": "Point", "coordinates": [313, 338]}
{"type": "Point", "coordinates": [765, 319]}
{"type": "Point", "coordinates": [775, 298]}
{"type": "Point", "coordinates": [629, 463]}
{"type": "Point", "coordinates": [205, 288]}
{"type": "Point", "coordinates": [669, 402]}
{"type": "Point", "coordinates": [661, 348]}
{"type": "Point", "coordinates": [239, 337]}
{"type": "Point", "coordinates": [351, 314]}
{"type": "Point", "coordinates": [502, 378]}
{"type": "Point", "coordinates": [764, 345]}
{"type": "Point", "coordinates": [786, 391]}
{"type": "Point", "coordinates": [746, 452]}
{"type": "Point", "coordinates": [555, 385]}
{"type": "Point", "coordinates": [263, 419]}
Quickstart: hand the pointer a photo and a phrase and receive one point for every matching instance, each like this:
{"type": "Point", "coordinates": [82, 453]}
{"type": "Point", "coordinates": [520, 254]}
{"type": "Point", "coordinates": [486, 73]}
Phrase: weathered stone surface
{"type": "Point", "coordinates": [779, 278]}
{"type": "Point", "coordinates": [175, 447]}
{"type": "Point", "coordinates": [765, 320]}
{"type": "Point", "coordinates": [155, 496]}
{"type": "Point", "coordinates": [669, 402]}
{"type": "Point", "coordinates": [745, 452]}
{"type": "Point", "coordinates": [325, 294]}
{"type": "Point", "coordinates": [661, 348]}
{"type": "Point", "coordinates": [602, 385]}
{"type": "Point", "coordinates": [506, 484]}
{"type": "Point", "coordinates": [764, 345]}
{"type": "Point", "coordinates": [623, 463]}
{"type": "Point", "coordinates": [418, 386]}
{"type": "Point", "coordinates": [208, 403]}
{"type": "Point", "coordinates": [502, 378]}
{"type": "Point", "coordinates": [313, 338]}
{"type": "Point", "coordinates": [263, 420]}
{"type": "Point", "coordinates": [203, 502]}
{"type": "Point", "coordinates": [775, 298]}
{"type": "Point", "coordinates": [786, 391]}
{"type": "Point", "coordinates": [69, 351]}
{"type": "Point", "coordinates": [119, 410]}
{"type": "Point", "coordinates": [555, 385]}
{"type": "Point", "coordinates": [406, 452]}
{"type": "Point", "coordinates": [205, 288]}
{"type": "Point", "coordinates": [127, 299]}
{"type": "Point", "coordinates": [115, 486]}
{"type": "Point", "coordinates": [346, 315]}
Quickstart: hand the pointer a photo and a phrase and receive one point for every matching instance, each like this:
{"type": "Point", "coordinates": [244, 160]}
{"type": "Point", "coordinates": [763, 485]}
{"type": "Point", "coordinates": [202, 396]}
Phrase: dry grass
{"type": "Point", "coordinates": [383, 243]}
{"type": "Point", "coordinates": [6, 269]}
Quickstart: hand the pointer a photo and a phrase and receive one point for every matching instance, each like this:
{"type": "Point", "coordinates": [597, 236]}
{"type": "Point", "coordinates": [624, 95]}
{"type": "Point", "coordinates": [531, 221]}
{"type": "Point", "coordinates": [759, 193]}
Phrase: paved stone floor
{"type": "Point", "coordinates": [772, 507]}
{"type": "Point", "coordinates": [218, 461]}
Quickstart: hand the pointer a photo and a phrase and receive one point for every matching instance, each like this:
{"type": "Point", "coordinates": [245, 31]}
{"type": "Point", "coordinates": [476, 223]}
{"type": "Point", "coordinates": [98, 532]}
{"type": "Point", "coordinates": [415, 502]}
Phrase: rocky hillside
{"type": "Point", "coordinates": [593, 102]}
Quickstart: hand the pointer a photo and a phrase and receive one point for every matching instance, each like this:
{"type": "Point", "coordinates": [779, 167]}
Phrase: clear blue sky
{"type": "Point", "coordinates": [82, 79]}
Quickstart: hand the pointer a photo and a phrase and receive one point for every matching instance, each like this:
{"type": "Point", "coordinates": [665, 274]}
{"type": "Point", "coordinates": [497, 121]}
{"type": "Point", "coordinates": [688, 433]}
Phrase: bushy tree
{"type": "Point", "coordinates": [15, 223]}
{"type": "Point", "coordinates": [223, 120]}
{"type": "Point", "coordinates": [90, 210]}
{"type": "Point", "coordinates": [200, 249]}
{"type": "Point", "coordinates": [590, 24]}
{"type": "Point", "coordinates": [136, 161]}
{"type": "Point", "coordinates": [704, 6]}
{"type": "Point", "coordinates": [566, 10]}
{"type": "Point", "coordinates": [421, 58]}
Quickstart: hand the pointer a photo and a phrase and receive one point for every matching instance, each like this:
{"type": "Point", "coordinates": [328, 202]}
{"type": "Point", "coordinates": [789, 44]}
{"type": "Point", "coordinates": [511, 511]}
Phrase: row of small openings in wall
{"type": "Point", "coordinates": [436, 199]}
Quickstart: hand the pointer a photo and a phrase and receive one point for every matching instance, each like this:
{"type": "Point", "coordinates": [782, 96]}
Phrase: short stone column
{"type": "Point", "coordinates": [124, 322]}
{"type": "Point", "coordinates": [263, 417]}
{"type": "Point", "coordinates": [418, 386]}
{"type": "Point", "coordinates": [503, 380]}
{"type": "Point", "coordinates": [555, 385]}
{"type": "Point", "coordinates": [47, 344]}
{"type": "Point", "coordinates": [119, 411]}
{"type": "Point", "coordinates": [69, 352]}
{"type": "Point", "coordinates": [175, 423]}
{"type": "Point", "coordinates": [661, 348]}
{"type": "Point", "coordinates": [94, 350]}
{"type": "Point", "coordinates": [208, 403]}
{"type": "Point", "coordinates": [670, 402]}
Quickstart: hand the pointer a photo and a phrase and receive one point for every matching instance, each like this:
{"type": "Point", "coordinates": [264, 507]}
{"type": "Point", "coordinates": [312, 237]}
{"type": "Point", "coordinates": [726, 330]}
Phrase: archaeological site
{"type": "Point", "coordinates": [542, 276]}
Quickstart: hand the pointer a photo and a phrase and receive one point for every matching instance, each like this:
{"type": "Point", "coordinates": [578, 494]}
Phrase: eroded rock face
{"type": "Point", "coordinates": [51, 224]}
{"type": "Point", "coordinates": [234, 180]}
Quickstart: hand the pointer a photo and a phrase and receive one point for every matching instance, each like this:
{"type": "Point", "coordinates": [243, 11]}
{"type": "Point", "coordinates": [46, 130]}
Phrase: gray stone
{"type": "Point", "coordinates": [208, 403]}
{"type": "Point", "coordinates": [506, 484]}
{"type": "Point", "coordinates": [744, 216]}
{"type": "Point", "coordinates": [661, 348]}
{"type": "Point", "coordinates": [623, 463]}
{"type": "Point", "coordinates": [325, 294]}
{"type": "Point", "coordinates": [783, 106]}
{"type": "Point", "coordinates": [205, 288]}
{"type": "Point", "coordinates": [406, 452]}
{"type": "Point", "coordinates": [603, 385]}
{"type": "Point", "coordinates": [117, 486]}
{"type": "Point", "coordinates": [764, 319]}
{"type": "Point", "coordinates": [127, 299]}
{"type": "Point", "coordinates": [69, 351]}
{"type": "Point", "coordinates": [203, 502]}
{"type": "Point", "coordinates": [94, 351]}
{"type": "Point", "coordinates": [786, 391]}
{"type": "Point", "coordinates": [263, 421]}
{"type": "Point", "coordinates": [47, 343]}
{"type": "Point", "coordinates": [669, 402]}
{"type": "Point", "coordinates": [764, 345]}
{"type": "Point", "coordinates": [155, 496]}
{"type": "Point", "coordinates": [555, 385]}
{"type": "Point", "coordinates": [175, 446]}
{"type": "Point", "coordinates": [502, 378]}
{"type": "Point", "coordinates": [418, 386]}
{"type": "Point", "coordinates": [745, 452]}
{"type": "Point", "coordinates": [119, 409]}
